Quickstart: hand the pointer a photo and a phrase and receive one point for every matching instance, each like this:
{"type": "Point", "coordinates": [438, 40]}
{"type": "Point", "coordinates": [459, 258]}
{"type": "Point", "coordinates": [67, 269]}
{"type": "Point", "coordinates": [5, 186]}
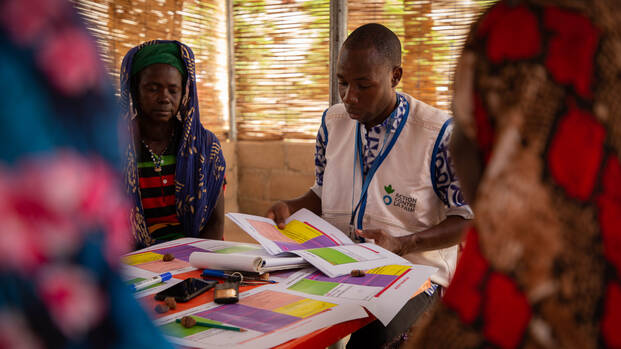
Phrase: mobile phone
{"type": "Point", "coordinates": [186, 289]}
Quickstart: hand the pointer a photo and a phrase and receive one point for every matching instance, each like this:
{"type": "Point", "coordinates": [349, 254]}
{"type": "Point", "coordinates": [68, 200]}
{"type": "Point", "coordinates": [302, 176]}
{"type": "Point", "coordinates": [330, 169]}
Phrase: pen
{"type": "Point", "coordinates": [221, 274]}
{"type": "Point", "coordinates": [149, 282]}
{"type": "Point", "coordinates": [212, 325]}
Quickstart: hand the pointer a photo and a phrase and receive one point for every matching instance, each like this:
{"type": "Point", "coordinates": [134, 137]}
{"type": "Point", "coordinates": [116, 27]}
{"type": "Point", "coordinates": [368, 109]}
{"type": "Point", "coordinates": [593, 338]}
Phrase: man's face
{"type": "Point", "coordinates": [159, 92]}
{"type": "Point", "coordinates": [366, 85]}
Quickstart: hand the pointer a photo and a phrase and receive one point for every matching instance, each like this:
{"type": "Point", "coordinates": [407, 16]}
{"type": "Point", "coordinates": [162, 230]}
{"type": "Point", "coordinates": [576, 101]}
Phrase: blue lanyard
{"type": "Point", "coordinates": [362, 202]}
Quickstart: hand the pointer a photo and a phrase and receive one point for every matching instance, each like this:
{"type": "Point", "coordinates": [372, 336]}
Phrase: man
{"type": "Point", "coordinates": [383, 171]}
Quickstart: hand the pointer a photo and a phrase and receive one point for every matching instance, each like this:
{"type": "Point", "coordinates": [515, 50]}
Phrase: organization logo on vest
{"type": "Point", "coordinates": [402, 201]}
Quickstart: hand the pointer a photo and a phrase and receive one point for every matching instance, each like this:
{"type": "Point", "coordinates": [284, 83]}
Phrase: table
{"type": "Point", "coordinates": [318, 339]}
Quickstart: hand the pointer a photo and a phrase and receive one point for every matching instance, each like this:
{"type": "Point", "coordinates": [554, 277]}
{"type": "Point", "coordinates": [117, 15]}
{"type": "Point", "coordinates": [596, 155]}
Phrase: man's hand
{"type": "Point", "coordinates": [279, 212]}
{"type": "Point", "coordinates": [383, 239]}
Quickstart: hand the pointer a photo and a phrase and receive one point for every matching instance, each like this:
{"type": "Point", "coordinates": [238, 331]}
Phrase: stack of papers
{"type": "Point", "coordinates": [316, 241]}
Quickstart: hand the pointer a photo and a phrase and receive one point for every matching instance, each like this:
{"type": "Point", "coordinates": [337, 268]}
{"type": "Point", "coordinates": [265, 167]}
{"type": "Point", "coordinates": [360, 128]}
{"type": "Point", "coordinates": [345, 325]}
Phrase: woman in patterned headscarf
{"type": "Point", "coordinates": [174, 167]}
{"type": "Point", "coordinates": [62, 206]}
{"type": "Point", "coordinates": [538, 148]}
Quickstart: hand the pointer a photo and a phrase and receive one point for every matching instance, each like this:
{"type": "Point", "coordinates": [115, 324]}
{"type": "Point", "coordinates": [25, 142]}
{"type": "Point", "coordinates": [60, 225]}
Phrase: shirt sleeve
{"type": "Point", "coordinates": [321, 142]}
{"type": "Point", "coordinates": [443, 177]}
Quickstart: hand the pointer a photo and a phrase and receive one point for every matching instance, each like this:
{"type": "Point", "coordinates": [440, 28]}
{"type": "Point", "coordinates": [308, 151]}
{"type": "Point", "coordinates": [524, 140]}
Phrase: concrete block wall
{"type": "Point", "coordinates": [271, 171]}
{"type": "Point", "coordinates": [260, 173]}
{"type": "Point", "coordinates": [231, 231]}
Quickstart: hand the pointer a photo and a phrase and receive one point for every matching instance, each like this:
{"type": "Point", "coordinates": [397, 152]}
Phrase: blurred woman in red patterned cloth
{"type": "Point", "coordinates": [537, 145]}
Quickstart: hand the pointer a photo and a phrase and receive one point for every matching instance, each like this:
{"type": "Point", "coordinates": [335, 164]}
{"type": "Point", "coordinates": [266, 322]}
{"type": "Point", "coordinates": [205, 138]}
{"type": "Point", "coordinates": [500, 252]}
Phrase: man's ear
{"type": "Point", "coordinates": [397, 72]}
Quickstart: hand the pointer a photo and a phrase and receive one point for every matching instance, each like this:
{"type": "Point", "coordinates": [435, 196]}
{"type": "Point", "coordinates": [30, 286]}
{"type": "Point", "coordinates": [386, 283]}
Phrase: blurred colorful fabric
{"type": "Point", "coordinates": [63, 212]}
{"type": "Point", "coordinates": [537, 91]}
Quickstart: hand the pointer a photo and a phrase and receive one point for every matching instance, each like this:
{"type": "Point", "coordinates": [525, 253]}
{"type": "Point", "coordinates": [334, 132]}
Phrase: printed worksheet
{"type": "Point", "coordinates": [268, 317]}
{"type": "Point", "coordinates": [151, 259]}
{"type": "Point", "coordinates": [341, 260]}
{"type": "Point", "coordinates": [383, 291]}
{"type": "Point", "coordinates": [146, 263]}
{"type": "Point", "coordinates": [303, 230]}
{"type": "Point", "coordinates": [317, 241]}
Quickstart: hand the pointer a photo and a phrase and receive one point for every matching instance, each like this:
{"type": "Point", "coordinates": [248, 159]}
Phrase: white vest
{"type": "Point", "coordinates": [400, 199]}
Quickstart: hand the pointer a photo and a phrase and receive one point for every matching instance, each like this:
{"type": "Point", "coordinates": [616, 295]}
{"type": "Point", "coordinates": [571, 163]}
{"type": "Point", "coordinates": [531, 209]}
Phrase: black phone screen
{"type": "Point", "coordinates": [186, 289]}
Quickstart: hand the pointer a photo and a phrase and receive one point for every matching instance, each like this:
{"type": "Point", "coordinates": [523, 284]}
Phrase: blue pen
{"type": "Point", "coordinates": [149, 282]}
{"type": "Point", "coordinates": [223, 275]}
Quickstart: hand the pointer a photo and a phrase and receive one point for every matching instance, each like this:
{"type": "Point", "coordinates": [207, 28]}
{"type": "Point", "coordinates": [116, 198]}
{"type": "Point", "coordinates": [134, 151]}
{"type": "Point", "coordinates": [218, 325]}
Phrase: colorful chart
{"type": "Point", "coordinates": [332, 256]}
{"type": "Point", "coordinates": [320, 285]}
{"type": "Point", "coordinates": [152, 260]}
{"type": "Point", "coordinates": [175, 329]}
{"type": "Point", "coordinates": [237, 249]}
{"type": "Point", "coordinates": [265, 312]}
{"type": "Point", "coordinates": [295, 236]}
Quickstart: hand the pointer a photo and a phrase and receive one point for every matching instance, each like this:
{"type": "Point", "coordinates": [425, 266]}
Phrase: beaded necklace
{"type": "Point", "coordinates": [158, 160]}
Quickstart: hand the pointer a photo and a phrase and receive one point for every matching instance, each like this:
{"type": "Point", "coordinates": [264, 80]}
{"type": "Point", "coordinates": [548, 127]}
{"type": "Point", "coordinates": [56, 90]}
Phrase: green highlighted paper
{"type": "Point", "coordinates": [332, 256]}
{"type": "Point", "coordinates": [318, 288]}
{"type": "Point", "coordinates": [236, 249]}
{"type": "Point", "coordinates": [175, 329]}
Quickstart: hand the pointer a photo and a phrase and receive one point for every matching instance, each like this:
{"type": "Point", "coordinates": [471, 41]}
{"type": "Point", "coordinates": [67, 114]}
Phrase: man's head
{"type": "Point", "coordinates": [157, 81]}
{"type": "Point", "coordinates": [368, 70]}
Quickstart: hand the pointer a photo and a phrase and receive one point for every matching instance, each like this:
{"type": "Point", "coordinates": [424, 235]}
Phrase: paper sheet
{"type": "Point", "coordinates": [318, 242]}
{"type": "Point", "coordinates": [244, 262]}
{"type": "Point", "coordinates": [271, 317]}
{"type": "Point", "coordinates": [146, 263]}
{"type": "Point", "coordinates": [341, 260]}
{"type": "Point", "coordinates": [383, 291]}
{"type": "Point", "coordinates": [303, 230]}
{"type": "Point", "coordinates": [151, 259]}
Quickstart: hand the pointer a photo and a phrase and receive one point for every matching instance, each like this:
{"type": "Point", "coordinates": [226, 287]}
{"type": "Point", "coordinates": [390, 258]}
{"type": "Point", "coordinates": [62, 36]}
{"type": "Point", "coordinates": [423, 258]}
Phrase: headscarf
{"type": "Point", "coordinates": [62, 206]}
{"type": "Point", "coordinates": [199, 172]}
{"type": "Point", "coordinates": [537, 95]}
{"type": "Point", "coordinates": [167, 53]}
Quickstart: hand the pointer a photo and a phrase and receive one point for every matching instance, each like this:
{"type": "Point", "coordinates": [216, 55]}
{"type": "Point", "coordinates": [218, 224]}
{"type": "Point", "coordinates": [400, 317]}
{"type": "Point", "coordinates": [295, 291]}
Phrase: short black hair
{"type": "Point", "coordinates": [379, 37]}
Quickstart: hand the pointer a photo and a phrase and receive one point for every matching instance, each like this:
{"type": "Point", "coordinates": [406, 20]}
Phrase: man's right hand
{"type": "Point", "coordinates": [279, 212]}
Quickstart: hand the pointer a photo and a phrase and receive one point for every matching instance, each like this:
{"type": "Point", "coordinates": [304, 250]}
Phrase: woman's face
{"type": "Point", "coordinates": [159, 92]}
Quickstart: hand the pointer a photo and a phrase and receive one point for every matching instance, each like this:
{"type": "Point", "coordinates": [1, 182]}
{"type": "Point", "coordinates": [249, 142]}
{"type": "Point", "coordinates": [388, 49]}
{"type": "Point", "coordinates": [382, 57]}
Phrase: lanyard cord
{"type": "Point", "coordinates": [374, 167]}
{"type": "Point", "coordinates": [366, 179]}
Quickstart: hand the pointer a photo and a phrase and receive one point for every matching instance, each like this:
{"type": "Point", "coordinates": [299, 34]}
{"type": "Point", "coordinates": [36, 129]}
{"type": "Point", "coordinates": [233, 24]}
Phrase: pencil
{"type": "Point", "coordinates": [212, 325]}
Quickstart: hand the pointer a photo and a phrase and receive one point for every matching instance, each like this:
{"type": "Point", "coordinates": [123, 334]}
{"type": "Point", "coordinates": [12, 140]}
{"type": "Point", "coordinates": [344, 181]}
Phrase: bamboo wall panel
{"type": "Point", "coordinates": [281, 67]}
{"type": "Point", "coordinates": [281, 49]}
{"type": "Point", "coordinates": [432, 35]}
{"type": "Point", "coordinates": [119, 25]}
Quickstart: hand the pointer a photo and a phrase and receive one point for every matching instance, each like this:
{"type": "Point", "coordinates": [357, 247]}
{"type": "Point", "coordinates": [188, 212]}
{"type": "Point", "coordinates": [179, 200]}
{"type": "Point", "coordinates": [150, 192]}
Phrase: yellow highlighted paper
{"type": "Point", "coordinates": [140, 258]}
{"type": "Point", "coordinates": [299, 232]}
{"type": "Point", "coordinates": [304, 308]}
{"type": "Point", "coordinates": [389, 270]}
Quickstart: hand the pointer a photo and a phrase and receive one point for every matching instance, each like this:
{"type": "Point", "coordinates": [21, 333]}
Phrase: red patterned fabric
{"type": "Point", "coordinates": [541, 267]}
{"type": "Point", "coordinates": [610, 213]}
{"type": "Point", "coordinates": [506, 311]}
{"type": "Point", "coordinates": [511, 33]}
{"type": "Point", "coordinates": [465, 295]}
{"type": "Point", "coordinates": [576, 152]}
{"type": "Point", "coordinates": [612, 316]}
{"type": "Point", "coordinates": [485, 131]}
{"type": "Point", "coordinates": [571, 49]}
